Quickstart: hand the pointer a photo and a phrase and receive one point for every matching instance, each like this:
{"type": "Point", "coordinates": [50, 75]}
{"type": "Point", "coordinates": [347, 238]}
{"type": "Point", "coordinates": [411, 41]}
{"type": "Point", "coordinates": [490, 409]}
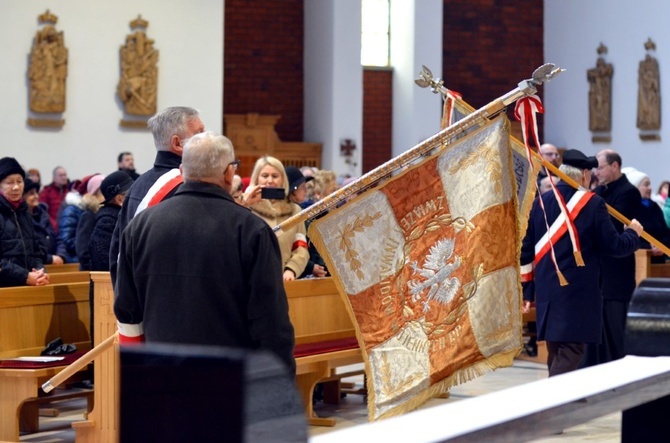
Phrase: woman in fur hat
{"type": "Point", "coordinates": [21, 256]}
{"type": "Point", "coordinates": [269, 172]}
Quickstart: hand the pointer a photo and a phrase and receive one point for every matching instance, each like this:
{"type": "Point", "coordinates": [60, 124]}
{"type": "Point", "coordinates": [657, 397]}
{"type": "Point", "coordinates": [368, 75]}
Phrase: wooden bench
{"type": "Point", "coordinates": [69, 277]}
{"type": "Point", "coordinates": [66, 267]}
{"type": "Point", "coordinates": [316, 311]}
{"type": "Point", "coordinates": [644, 268]}
{"type": "Point", "coordinates": [30, 317]}
{"type": "Point", "coordinates": [319, 317]}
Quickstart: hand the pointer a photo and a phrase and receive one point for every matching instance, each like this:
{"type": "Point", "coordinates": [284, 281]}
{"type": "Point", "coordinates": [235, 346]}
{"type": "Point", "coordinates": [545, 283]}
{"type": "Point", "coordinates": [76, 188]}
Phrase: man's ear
{"type": "Point", "coordinates": [175, 145]}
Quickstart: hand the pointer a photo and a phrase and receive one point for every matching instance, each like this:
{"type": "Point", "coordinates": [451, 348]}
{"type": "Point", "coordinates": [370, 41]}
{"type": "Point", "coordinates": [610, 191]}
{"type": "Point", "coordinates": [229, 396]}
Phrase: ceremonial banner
{"type": "Point", "coordinates": [428, 265]}
{"type": "Point", "coordinates": [456, 108]}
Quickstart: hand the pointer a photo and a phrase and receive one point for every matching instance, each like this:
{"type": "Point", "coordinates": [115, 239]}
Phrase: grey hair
{"type": "Point", "coordinates": [572, 172]}
{"type": "Point", "coordinates": [206, 155]}
{"type": "Point", "coordinates": [275, 163]}
{"type": "Point", "coordinates": [171, 121]}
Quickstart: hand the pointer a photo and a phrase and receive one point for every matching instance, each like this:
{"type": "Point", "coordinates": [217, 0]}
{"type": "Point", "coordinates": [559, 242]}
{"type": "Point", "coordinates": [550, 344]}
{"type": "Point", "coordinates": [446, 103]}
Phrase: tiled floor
{"type": "Point", "coordinates": [352, 410]}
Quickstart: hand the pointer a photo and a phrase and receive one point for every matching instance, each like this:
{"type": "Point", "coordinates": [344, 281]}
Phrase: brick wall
{"type": "Point", "coordinates": [377, 117]}
{"type": "Point", "coordinates": [263, 61]}
{"type": "Point", "coordinates": [489, 46]}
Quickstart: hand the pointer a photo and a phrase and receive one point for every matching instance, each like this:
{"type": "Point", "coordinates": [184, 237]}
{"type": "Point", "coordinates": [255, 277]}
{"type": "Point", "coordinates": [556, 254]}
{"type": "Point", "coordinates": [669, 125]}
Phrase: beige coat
{"type": "Point", "coordinates": [293, 242]}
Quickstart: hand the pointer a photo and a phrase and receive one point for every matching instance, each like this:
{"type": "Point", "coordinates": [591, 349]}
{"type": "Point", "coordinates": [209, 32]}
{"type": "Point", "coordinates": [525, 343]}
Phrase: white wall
{"type": "Point", "coordinates": [416, 39]}
{"type": "Point", "coordinates": [189, 37]}
{"type": "Point", "coordinates": [573, 30]}
{"type": "Point", "coordinates": [333, 109]}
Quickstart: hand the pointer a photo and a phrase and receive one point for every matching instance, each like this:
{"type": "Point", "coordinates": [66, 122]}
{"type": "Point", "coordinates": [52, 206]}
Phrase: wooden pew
{"type": "Point", "coordinates": [69, 277]}
{"type": "Point", "coordinates": [102, 423]}
{"type": "Point", "coordinates": [66, 267]}
{"type": "Point", "coordinates": [30, 317]}
{"type": "Point", "coordinates": [318, 316]}
{"type": "Point", "coordinates": [644, 268]}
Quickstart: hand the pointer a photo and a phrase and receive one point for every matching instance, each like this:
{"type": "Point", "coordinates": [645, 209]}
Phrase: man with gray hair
{"type": "Point", "coordinates": [564, 283]}
{"type": "Point", "coordinates": [201, 269]}
{"type": "Point", "coordinates": [170, 128]}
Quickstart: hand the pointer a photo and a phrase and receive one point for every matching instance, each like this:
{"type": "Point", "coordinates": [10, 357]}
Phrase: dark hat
{"type": "Point", "coordinates": [577, 159]}
{"type": "Point", "coordinates": [9, 166]}
{"type": "Point", "coordinates": [114, 184]}
{"type": "Point", "coordinates": [29, 185]}
{"type": "Point", "coordinates": [295, 178]}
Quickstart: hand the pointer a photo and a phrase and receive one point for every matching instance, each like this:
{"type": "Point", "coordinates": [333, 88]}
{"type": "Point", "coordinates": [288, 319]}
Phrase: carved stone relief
{"type": "Point", "coordinates": [47, 72]}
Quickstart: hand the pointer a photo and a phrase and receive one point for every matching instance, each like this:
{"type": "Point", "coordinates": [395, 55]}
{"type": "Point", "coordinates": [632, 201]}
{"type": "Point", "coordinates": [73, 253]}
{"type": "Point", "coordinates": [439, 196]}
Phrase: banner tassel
{"type": "Point", "coordinates": [561, 278]}
{"type": "Point", "coordinates": [579, 259]}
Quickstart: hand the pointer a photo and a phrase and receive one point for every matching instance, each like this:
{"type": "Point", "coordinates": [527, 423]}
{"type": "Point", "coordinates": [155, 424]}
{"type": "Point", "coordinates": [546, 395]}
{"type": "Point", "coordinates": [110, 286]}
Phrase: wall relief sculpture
{"type": "Point", "coordinates": [138, 85]}
{"type": "Point", "coordinates": [649, 95]}
{"type": "Point", "coordinates": [47, 72]}
{"type": "Point", "coordinates": [600, 97]}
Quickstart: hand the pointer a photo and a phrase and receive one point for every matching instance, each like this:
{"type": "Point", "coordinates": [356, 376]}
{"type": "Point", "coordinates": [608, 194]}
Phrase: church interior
{"type": "Point", "coordinates": [286, 79]}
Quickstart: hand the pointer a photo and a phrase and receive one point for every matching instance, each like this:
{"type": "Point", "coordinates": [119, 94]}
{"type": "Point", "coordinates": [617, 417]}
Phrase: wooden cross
{"type": "Point", "coordinates": [347, 148]}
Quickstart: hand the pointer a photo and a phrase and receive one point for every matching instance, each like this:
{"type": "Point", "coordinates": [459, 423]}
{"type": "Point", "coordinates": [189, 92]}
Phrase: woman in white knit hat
{"type": "Point", "coordinates": [651, 216]}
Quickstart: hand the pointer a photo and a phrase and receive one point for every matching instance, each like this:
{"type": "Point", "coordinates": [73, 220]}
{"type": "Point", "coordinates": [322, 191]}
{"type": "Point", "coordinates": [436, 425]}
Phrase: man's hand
{"type": "Point", "coordinates": [635, 226]}
{"type": "Point", "coordinates": [526, 307]}
{"type": "Point", "coordinates": [319, 271]}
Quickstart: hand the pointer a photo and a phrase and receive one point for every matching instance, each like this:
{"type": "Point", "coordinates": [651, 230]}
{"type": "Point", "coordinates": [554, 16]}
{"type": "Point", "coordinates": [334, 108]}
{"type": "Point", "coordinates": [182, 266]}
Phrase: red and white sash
{"type": "Point", "coordinates": [559, 227]}
{"type": "Point", "coordinates": [165, 184]}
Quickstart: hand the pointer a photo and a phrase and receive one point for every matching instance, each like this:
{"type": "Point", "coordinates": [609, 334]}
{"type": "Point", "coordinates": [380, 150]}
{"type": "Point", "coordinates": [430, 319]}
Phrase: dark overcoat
{"type": "Point", "coordinates": [20, 249]}
{"type": "Point", "coordinates": [201, 269]}
{"type": "Point", "coordinates": [619, 272]}
{"type": "Point", "coordinates": [571, 313]}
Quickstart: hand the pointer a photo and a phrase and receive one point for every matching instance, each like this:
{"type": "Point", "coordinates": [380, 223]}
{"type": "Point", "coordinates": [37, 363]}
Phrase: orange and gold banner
{"type": "Point", "coordinates": [428, 265]}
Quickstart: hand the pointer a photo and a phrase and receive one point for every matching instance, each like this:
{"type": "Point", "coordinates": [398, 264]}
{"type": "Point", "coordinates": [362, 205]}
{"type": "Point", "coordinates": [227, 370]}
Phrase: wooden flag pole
{"type": "Point", "coordinates": [79, 364]}
{"type": "Point", "coordinates": [526, 87]}
{"type": "Point", "coordinates": [613, 212]}
{"type": "Point", "coordinates": [437, 86]}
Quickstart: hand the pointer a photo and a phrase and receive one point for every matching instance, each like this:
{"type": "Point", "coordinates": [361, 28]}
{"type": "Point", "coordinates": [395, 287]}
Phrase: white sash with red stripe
{"type": "Point", "coordinates": [161, 188]}
{"type": "Point", "coordinates": [559, 227]}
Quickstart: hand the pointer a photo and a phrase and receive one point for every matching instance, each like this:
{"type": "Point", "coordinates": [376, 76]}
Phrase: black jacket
{"type": "Point", "coordinates": [619, 273]}
{"type": "Point", "coordinates": [571, 313]}
{"type": "Point", "coordinates": [20, 249]}
{"type": "Point", "coordinates": [101, 237]}
{"type": "Point", "coordinates": [200, 269]}
{"type": "Point", "coordinates": [164, 162]}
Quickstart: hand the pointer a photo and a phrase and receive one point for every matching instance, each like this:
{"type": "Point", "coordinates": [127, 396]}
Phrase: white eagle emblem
{"type": "Point", "coordinates": [436, 273]}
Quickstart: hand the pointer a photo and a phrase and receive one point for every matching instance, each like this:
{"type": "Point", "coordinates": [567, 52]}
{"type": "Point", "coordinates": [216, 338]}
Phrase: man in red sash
{"type": "Point", "coordinates": [171, 128]}
{"type": "Point", "coordinates": [570, 315]}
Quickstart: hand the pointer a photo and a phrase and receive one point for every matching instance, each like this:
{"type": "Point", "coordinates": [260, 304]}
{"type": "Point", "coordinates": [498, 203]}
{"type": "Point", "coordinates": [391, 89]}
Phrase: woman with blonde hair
{"type": "Point", "coordinates": [269, 172]}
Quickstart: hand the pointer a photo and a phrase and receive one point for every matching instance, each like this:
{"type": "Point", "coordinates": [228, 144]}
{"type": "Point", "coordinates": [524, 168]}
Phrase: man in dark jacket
{"type": "Point", "coordinates": [570, 315]}
{"type": "Point", "coordinates": [201, 269]}
{"type": "Point", "coordinates": [171, 127]}
{"type": "Point", "coordinates": [618, 273]}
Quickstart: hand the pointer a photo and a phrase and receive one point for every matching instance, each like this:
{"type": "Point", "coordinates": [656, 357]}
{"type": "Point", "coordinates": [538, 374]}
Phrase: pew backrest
{"type": "Point", "coordinates": [32, 316]}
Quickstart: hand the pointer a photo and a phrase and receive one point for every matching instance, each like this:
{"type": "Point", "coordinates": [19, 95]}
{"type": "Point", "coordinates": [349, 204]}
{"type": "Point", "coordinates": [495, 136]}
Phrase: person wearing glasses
{"type": "Point", "coordinates": [550, 153]}
{"type": "Point", "coordinates": [21, 254]}
{"type": "Point", "coordinates": [618, 273]}
{"type": "Point", "coordinates": [201, 269]}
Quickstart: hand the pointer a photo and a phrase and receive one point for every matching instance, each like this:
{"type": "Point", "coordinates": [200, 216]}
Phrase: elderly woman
{"type": "Point", "coordinates": [44, 230]}
{"type": "Point", "coordinates": [269, 173]}
{"type": "Point", "coordinates": [21, 256]}
{"type": "Point", "coordinates": [650, 214]}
